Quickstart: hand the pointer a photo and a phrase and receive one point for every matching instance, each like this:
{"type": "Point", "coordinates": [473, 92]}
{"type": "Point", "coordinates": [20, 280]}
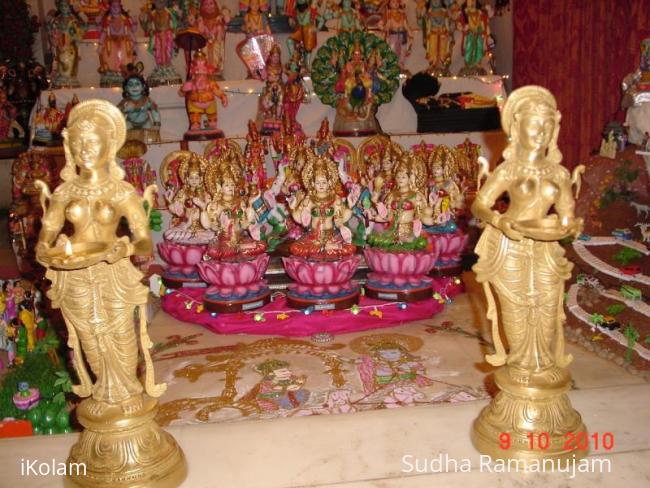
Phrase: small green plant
{"type": "Point", "coordinates": [626, 255]}
{"type": "Point", "coordinates": [616, 308]}
{"type": "Point", "coordinates": [632, 335]}
{"type": "Point", "coordinates": [596, 319]}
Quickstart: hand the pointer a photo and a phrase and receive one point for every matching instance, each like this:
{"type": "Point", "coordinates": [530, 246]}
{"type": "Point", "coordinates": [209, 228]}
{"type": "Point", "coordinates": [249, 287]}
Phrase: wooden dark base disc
{"type": "Point", "coordinates": [340, 303]}
{"type": "Point", "coordinates": [447, 271]}
{"type": "Point", "coordinates": [355, 133]}
{"type": "Point", "coordinates": [171, 282]}
{"type": "Point", "coordinates": [237, 306]}
{"type": "Point", "coordinates": [203, 135]}
{"type": "Point", "coordinates": [392, 295]}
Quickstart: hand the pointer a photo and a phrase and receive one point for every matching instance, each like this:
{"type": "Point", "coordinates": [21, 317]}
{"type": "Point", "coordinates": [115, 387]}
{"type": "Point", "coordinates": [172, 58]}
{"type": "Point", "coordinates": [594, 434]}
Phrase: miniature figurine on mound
{"type": "Point", "coordinates": [116, 44]}
{"type": "Point", "coordinates": [185, 242]}
{"type": "Point", "coordinates": [159, 22]}
{"type": "Point", "coordinates": [475, 24]}
{"type": "Point", "coordinates": [100, 294]}
{"type": "Point", "coordinates": [401, 256]}
{"type": "Point", "coordinates": [48, 124]}
{"type": "Point", "coordinates": [201, 93]}
{"type": "Point", "coordinates": [323, 260]}
{"type": "Point", "coordinates": [141, 112]}
{"type": "Point", "coordinates": [355, 72]}
{"type": "Point", "coordinates": [438, 25]}
{"type": "Point", "coordinates": [256, 47]}
{"type": "Point", "coordinates": [65, 29]}
{"type": "Point", "coordinates": [235, 262]}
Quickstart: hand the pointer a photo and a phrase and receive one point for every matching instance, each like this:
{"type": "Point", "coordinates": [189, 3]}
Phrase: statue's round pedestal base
{"type": "Point", "coordinates": [472, 71]}
{"type": "Point", "coordinates": [278, 24]}
{"type": "Point", "coordinates": [347, 124]}
{"type": "Point", "coordinates": [322, 284]}
{"type": "Point", "coordinates": [445, 271]}
{"type": "Point", "coordinates": [164, 76]}
{"type": "Point", "coordinates": [235, 285]}
{"type": "Point", "coordinates": [219, 304]}
{"type": "Point", "coordinates": [122, 450]}
{"type": "Point", "coordinates": [439, 71]}
{"type": "Point", "coordinates": [539, 407]}
{"type": "Point", "coordinates": [64, 82]}
{"type": "Point", "coordinates": [181, 260]}
{"type": "Point", "coordinates": [397, 295]}
{"type": "Point", "coordinates": [178, 280]}
{"type": "Point", "coordinates": [111, 79]}
{"type": "Point", "coordinates": [338, 302]}
{"type": "Point", "coordinates": [203, 134]}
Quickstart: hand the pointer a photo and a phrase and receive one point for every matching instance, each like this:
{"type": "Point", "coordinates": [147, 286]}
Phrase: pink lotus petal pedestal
{"type": "Point", "coordinates": [181, 260]}
{"type": "Point", "coordinates": [450, 247]}
{"type": "Point", "coordinates": [399, 276]}
{"type": "Point", "coordinates": [322, 285]}
{"type": "Point", "coordinates": [235, 286]}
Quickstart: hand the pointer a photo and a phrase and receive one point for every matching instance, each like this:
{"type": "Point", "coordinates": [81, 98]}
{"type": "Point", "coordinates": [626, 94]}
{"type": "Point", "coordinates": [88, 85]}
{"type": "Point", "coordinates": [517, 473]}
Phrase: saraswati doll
{"type": "Point", "coordinates": [100, 295]}
{"type": "Point", "coordinates": [521, 260]}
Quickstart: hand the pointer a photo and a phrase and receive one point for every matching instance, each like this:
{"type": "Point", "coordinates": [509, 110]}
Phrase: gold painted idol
{"type": "Point", "coordinates": [521, 260]}
{"type": "Point", "coordinates": [100, 295]}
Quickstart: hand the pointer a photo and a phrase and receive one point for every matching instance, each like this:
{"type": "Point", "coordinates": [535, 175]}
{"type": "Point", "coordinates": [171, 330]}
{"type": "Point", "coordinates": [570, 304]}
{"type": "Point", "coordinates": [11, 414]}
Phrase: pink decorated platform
{"type": "Point", "coordinates": [277, 318]}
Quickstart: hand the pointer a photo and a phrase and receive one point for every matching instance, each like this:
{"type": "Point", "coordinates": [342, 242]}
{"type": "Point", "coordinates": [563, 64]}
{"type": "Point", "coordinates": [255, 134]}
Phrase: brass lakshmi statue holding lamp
{"type": "Point", "coordinates": [520, 259]}
{"type": "Point", "coordinates": [100, 295]}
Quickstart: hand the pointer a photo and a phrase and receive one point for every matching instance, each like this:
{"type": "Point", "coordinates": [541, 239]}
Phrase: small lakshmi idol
{"type": "Point", "coordinates": [65, 28]}
{"type": "Point", "coordinates": [201, 93]}
{"type": "Point", "coordinates": [160, 22]}
{"type": "Point", "coordinates": [326, 243]}
{"type": "Point", "coordinates": [188, 203]}
{"type": "Point", "coordinates": [212, 23]}
{"type": "Point", "coordinates": [142, 115]}
{"type": "Point", "coordinates": [400, 256]}
{"type": "Point", "coordinates": [235, 260]}
{"type": "Point", "coordinates": [228, 214]}
{"type": "Point", "coordinates": [116, 44]}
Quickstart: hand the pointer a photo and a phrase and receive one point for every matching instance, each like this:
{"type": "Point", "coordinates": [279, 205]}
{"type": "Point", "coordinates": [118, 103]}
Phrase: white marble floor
{"type": "Point", "coordinates": [369, 449]}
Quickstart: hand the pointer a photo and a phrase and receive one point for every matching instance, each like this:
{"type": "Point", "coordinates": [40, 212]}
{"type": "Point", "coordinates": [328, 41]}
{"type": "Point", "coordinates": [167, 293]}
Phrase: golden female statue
{"type": "Point", "coordinates": [100, 294]}
{"type": "Point", "coordinates": [520, 259]}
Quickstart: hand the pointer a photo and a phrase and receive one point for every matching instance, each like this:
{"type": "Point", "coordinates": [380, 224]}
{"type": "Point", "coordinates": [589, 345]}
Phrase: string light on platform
{"type": "Point", "coordinates": [377, 310]}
